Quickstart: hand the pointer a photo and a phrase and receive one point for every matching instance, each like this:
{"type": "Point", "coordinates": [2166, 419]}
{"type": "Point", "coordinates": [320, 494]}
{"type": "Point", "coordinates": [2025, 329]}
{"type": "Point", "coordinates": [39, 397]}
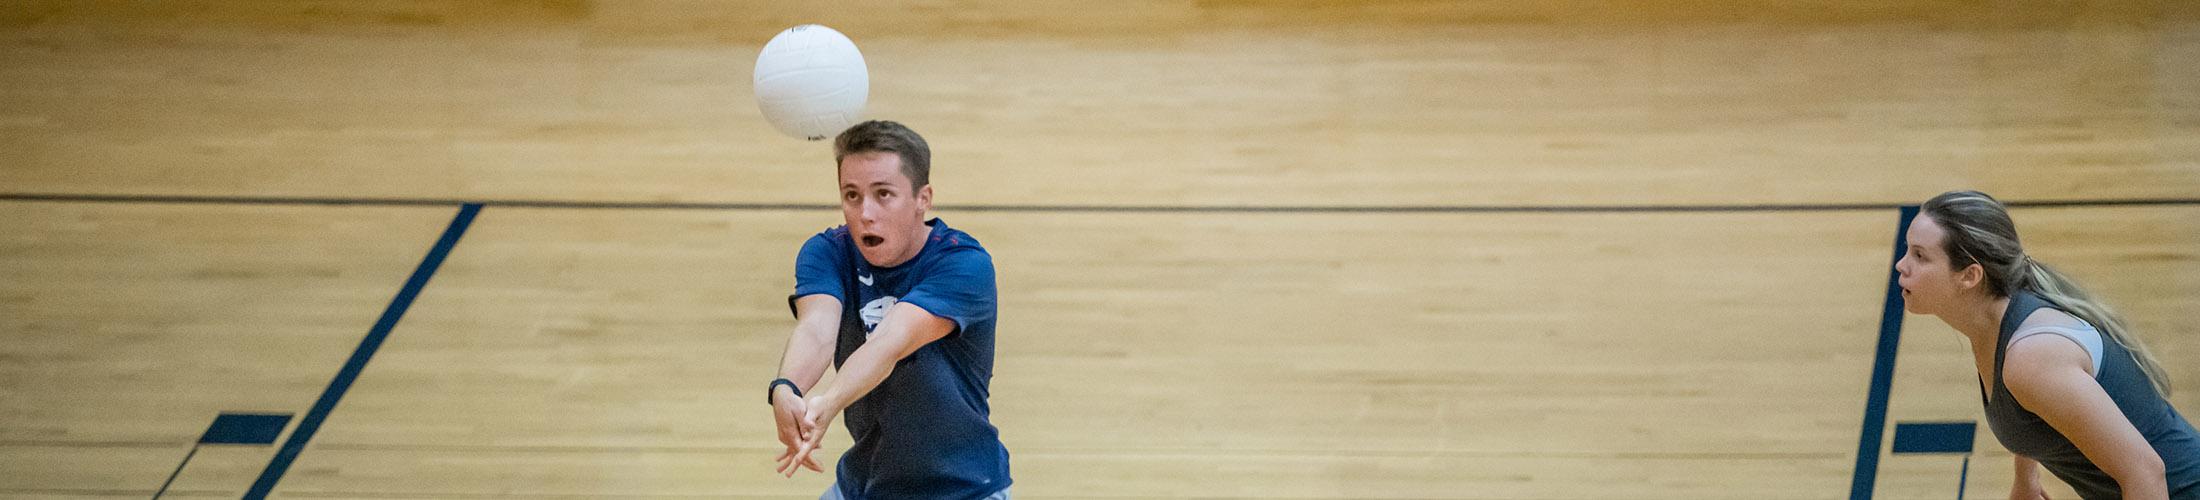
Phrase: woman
{"type": "Point", "coordinates": [2066, 385]}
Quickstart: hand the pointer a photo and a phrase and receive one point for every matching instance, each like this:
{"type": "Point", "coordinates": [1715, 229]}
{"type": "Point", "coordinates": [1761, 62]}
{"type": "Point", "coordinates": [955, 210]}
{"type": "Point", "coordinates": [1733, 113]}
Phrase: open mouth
{"type": "Point", "coordinates": [872, 240]}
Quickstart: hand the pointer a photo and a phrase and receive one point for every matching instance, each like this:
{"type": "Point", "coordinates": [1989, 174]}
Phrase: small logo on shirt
{"type": "Point", "coordinates": [874, 312]}
{"type": "Point", "coordinates": [865, 279]}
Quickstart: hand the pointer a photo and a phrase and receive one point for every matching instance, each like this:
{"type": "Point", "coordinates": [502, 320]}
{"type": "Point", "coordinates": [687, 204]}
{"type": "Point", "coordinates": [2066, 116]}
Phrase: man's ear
{"type": "Point", "coordinates": [924, 201]}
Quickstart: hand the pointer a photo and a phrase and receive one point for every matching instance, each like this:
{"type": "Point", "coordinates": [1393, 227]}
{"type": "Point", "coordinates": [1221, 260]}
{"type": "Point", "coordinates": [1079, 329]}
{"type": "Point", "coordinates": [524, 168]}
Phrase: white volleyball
{"type": "Point", "coordinates": [811, 82]}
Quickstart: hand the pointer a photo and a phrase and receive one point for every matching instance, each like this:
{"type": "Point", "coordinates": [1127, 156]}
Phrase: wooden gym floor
{"type": "Point", "coordinates": [1261, 249]}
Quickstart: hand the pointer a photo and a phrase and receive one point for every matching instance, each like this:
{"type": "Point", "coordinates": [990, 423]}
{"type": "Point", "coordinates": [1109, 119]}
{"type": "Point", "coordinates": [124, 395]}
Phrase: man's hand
{"type": "Point", "coordinates": [788, 411]}
{"type": "Point", "coordinates": [818, 416]}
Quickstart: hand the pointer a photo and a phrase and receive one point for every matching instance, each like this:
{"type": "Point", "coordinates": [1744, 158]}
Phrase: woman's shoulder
{"type": "Point", "coordinates": [2051, 340]}
{"type": "Point", "coordinates": [2052, 318]}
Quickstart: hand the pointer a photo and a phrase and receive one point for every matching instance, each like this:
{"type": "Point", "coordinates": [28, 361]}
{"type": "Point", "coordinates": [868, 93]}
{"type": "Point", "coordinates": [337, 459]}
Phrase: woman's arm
{"type": "Point", "coordinates": [2047, 374]}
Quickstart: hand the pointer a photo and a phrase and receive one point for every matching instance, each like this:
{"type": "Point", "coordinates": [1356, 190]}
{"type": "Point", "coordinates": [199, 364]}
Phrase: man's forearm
{"type": "Point", "coordinates": [906, 328]}
{"type": "Point", "coordinates": [807, 355]}
{"type": "Point", "coordinates": [862, 372]}
{"type": "Point", "coordinates": [810, 347]}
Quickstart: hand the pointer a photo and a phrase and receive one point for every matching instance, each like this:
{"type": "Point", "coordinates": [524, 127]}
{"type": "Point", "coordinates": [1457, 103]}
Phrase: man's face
{"type": "Point", "coordinates": [885, 213]}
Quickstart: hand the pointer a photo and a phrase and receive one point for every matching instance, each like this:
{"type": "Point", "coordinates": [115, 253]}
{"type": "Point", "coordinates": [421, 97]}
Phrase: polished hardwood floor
{"type": "Point", "coordinates": [1247, 249]}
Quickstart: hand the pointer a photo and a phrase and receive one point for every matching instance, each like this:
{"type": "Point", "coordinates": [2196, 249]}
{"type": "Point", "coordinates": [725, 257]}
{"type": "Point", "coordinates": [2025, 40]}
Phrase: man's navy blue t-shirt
{"type": "Point", "coordinates": [923, 433]}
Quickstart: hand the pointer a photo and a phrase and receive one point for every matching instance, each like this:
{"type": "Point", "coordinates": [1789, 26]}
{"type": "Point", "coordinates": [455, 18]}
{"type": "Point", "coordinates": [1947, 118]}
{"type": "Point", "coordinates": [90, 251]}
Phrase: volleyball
{"type": "Point", "coordinates": [811, 82]}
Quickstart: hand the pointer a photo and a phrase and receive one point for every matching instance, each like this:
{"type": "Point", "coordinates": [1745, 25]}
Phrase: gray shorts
{"type": "Point", "coordinates": [833, 493]}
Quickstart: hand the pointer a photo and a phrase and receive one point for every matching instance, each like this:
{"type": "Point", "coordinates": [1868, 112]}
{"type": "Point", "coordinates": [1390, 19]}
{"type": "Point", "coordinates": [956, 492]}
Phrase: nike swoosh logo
{"type": "Point", "coordinates": [865, 279]}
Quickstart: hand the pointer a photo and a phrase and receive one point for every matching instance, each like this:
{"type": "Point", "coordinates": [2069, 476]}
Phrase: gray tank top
{"type": "Point", "coordinates": [2024, 433]}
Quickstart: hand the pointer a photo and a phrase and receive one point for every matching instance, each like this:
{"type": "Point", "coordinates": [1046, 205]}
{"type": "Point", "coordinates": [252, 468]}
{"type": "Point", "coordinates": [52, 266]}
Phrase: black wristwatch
{"type": "Point", "coordinates": [774, 388]}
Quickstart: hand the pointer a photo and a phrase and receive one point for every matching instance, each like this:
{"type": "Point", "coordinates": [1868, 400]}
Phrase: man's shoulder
{"type": "Point", "coordinates": [958, 241]}
{"type": "Point", "coordinates": [949, 238]}
{"type": "Point", "coordinates": [836, 235]}
{"type": "Point", "coordinates": [830, 245]}
{"type": "Point", "coordinates": [951, 246]}
{"type": "Point", "coordinates": [955, 252]}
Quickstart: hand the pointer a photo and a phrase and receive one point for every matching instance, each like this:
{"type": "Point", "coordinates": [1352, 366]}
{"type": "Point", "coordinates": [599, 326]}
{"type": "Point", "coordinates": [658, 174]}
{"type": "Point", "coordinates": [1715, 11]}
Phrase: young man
{"type": "Point", "coordinates": [905, 307]}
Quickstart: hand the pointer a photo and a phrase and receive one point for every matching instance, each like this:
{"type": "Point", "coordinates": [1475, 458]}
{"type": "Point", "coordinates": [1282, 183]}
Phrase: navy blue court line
{"type": "Point", "coordinates": [1963, 477]}
{"type": "Point", "coordinates": [1890, 337]}
{"type": "Point", "coordinates": [179, 471]}
{"type": "Point", "coordinates": [1934, 437]}
{"type": "Point", "coordinates": [524, 203]}
{"type": "Point", "coordinates": [350, 372]}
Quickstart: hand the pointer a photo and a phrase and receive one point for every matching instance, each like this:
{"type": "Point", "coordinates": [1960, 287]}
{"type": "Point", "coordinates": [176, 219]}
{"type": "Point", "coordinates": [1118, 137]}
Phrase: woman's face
{"type": "Point", "coordinates": [1929, 286]}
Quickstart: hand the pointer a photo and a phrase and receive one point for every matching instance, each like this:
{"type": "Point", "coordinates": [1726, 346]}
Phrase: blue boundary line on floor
{"type": "Point", "coordinates": [178, 472]}
{"type": "Point", "coordinates": [358, 362]}
{"type": "Point", "coordinates": [1963, 478]}
{"type": "Point", "coordinates": [1070, 208]}
{"type": "Point", "coordinates": [1875, 402]}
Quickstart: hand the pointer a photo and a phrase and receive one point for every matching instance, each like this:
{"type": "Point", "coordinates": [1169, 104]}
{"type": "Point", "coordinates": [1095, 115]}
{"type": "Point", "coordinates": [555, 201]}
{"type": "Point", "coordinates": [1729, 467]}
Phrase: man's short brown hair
{"type": "Point", "coordinates": [881, 136]}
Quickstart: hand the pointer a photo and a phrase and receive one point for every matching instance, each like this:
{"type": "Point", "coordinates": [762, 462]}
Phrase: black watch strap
{"type": "Point", "coordinates": [774, 389]}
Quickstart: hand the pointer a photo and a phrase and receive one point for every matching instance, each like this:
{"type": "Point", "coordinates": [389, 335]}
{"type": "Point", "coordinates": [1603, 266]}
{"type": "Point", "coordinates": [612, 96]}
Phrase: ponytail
{"type": "Point", "coordinates": [2065, 294]}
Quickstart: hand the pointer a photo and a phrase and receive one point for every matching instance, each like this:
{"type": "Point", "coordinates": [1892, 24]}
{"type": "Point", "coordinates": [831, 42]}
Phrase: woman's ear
{"type": "Point", "coordinates": [1971, 276]}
